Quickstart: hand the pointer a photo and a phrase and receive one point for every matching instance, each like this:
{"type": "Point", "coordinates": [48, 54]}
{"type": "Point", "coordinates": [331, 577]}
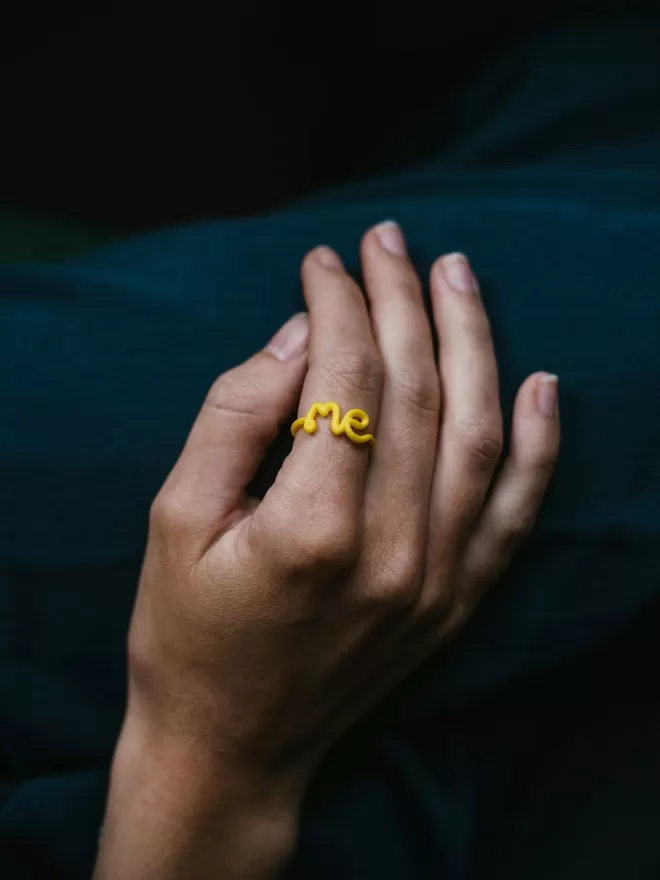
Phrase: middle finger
{"type": "Point", "coordinates": [403, 460]}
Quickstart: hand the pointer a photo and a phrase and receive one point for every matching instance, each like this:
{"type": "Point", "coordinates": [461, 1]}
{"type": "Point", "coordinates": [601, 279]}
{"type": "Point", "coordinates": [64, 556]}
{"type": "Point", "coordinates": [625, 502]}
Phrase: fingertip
{"type": "Point", "coordinates": [386, 237]}
{"type": "Point", "coordinates": [536, 429]}
{"type": "Point", "coordinates": [547, 395]}
{"type": "Point", "coordinates": [290, 341]}
{"type": "Point", "coordinates": [539, 396]}
{"type": "Point", "coordinates": [453, 271]}
{"type": "Point", "coordinates": [437, 276]}
{"type": "Point", "coordinates": [323, 257]}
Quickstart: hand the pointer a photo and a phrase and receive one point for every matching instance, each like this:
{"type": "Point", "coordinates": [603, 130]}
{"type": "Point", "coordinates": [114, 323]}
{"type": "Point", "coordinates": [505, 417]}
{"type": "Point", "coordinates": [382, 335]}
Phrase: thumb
{"type": "Point", "coordinates": [240, 418]}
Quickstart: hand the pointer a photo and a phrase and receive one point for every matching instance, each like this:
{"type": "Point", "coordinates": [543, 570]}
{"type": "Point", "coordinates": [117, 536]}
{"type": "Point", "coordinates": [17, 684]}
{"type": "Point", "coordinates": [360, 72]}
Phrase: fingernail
{"type": "Point", "coordinates": [328, 258]}
{"type": "Point", "coordinates": [546, 394]}
{"type": "Point", "coordinates": [391, 238]}
{"type": "Point", "coordinates": [458, 273]}
{"type": "Point", "coordinates": [290, 340]}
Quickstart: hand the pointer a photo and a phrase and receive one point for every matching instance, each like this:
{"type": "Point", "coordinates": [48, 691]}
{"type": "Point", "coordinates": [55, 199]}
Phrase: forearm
{"type": "Point", "coordinates": [173, 814]}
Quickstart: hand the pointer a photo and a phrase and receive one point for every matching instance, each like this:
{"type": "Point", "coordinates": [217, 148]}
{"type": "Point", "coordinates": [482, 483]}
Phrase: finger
{"type": "Point", "coordinates": [344, 368]}
{"type": "Point", "coordinates": [239, 419]}
{"type": "Point", "coordinates": [511, 510]}
{"type": "Point", "coordinates": [471, 433]}
{"type": "Point", "coordinates": [403, 459]}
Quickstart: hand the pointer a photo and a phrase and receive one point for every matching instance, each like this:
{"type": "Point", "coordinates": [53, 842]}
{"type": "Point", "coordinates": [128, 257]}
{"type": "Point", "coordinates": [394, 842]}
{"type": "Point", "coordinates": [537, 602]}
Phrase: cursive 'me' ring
{"type": "Point", "coordinates": [355, 419]}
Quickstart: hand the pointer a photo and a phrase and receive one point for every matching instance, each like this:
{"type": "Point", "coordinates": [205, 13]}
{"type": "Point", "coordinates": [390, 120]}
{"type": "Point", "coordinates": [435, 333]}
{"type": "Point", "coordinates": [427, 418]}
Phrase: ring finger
{"type": "Point", "coordinates": [470, 440]}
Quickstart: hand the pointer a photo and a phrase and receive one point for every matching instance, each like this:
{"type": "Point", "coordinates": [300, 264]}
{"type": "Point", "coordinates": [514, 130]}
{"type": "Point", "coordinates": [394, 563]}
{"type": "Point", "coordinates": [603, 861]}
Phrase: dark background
{"type": "Point", "coordinates": [122, 121]}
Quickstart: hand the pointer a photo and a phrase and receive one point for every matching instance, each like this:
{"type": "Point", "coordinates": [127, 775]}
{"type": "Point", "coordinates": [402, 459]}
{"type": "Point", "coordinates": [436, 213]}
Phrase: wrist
{"type": "Point", "coordinates": [178, 808]}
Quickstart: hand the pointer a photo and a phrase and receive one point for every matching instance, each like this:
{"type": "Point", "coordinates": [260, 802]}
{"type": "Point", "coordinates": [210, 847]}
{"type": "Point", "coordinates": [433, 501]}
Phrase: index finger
{"type": "Point", "coordinates": [345, 369]}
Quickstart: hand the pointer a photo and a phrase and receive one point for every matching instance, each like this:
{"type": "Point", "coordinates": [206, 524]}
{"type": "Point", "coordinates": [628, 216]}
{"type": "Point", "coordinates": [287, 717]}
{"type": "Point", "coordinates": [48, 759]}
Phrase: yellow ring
{"type": "Point", "coordinates": [355, 419]}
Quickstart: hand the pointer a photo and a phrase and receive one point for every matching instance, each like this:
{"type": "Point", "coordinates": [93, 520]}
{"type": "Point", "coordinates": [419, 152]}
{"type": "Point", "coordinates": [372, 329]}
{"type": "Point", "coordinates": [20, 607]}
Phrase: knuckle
{"type": "Point", "coordinates": [330, 550]}
{"type": "Point", "coordinates": [159, 510]}
{"type": "Point", "coordinates": [231, 392]}
{"type": "Point", "coordinates": [236, 392]}
{"type": "Point", "coordinates": [543, 461]}
{"type": "Point", "coordinates": [519, 525]}
{"type": "Point", "coordinates": [357, 369]}
{"type": "Point", "coordinates": [476, 326]}
{"type": "Point", "coordinates": [399, 581]}
{"type": "Point", "coordinates": [331, 544]}
{"type": "Point", "coordinates": [239, 401]}
{"type": "Point", "coordinates": [418, 392]}
{"type": "Point", "coordinates": [483, 440]}
{"type": "Point", "coordinates": [169, 514]}
{"type": "Point", "coordinates": [437, 602]}
{"type": "Point", "coordinates": [443, 602]}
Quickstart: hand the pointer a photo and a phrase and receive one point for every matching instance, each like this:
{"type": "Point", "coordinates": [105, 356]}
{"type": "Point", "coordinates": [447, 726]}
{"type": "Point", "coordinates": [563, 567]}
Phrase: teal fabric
{"type": "Point", "coordinates": [27, 239]}
{"type": "Point", "coordinates": [593, 810]}
{"type": "Point", "coordinates": [547, 172]}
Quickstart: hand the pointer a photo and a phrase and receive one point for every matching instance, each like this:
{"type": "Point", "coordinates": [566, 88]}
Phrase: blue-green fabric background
{"type": "Point", "coordinates": [547, 173]}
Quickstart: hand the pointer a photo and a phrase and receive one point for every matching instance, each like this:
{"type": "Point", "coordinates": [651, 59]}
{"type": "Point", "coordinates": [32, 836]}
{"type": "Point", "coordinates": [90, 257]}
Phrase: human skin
{"type": "Point", "coordinates": [262, 631]}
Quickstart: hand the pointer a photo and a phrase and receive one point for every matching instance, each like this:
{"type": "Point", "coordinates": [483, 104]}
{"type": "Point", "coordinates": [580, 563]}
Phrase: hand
{"type": "Point", "coordinates": [262, 631]}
